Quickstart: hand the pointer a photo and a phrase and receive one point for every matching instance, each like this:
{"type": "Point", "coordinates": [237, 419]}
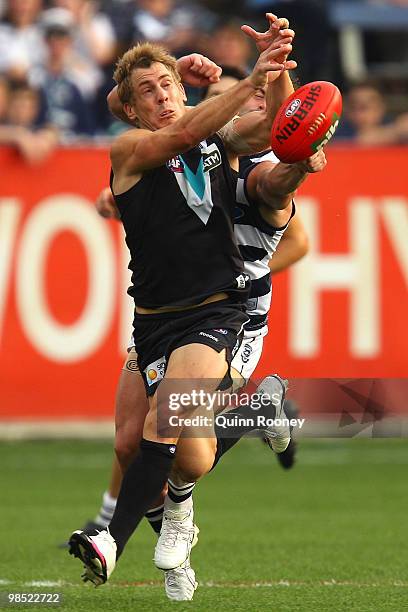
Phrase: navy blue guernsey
{"type": "Point", "coordinates": [257, 241]}
{"type": "Point", "coordinates": [179, 229]}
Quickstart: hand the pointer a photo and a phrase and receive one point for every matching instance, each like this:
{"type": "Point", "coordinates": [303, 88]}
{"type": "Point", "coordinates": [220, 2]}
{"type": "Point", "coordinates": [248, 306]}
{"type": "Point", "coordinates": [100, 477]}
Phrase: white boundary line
{"type": "Point", "coordinates": [211, 584]}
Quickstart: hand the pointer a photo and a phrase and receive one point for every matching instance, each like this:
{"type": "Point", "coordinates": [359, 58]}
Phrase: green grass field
{"type": "Point", "coordinates": [329, 535]}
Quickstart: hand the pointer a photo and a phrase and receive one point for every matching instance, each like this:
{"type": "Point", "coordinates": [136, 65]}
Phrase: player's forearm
{"type": "Point", "coordinates": [254, 129]}
{"type": "Point", "coordinates": [211, 115]}
{"type": "Point", "coordinates": [289, 251]}
{"type": "Point", "coordinates": [276, 185]}
{"type": "Point", "coordinates": [276, 93]}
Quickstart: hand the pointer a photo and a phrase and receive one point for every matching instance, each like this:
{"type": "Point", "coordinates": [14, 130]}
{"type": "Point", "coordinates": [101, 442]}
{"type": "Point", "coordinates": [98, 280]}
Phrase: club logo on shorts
{"type": "Point", "coordinates": [224, 332]}
{"type": "Point", "coordinates": [246, 353]}
{"type": "Point", "coordinates": [155, 371]}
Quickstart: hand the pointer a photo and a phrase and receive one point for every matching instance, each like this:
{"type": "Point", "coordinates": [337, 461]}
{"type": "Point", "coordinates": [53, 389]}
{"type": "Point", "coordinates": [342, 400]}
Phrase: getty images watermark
{"type": "Point", "coordinates": [199, 412]}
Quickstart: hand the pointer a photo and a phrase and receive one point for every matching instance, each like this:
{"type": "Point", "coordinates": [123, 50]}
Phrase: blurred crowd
{"type": "Point", "coordinates": [57, 59]}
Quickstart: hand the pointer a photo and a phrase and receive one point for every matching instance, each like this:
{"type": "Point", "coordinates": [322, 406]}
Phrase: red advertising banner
{"type": "Point", "coordinates": [65, 318]}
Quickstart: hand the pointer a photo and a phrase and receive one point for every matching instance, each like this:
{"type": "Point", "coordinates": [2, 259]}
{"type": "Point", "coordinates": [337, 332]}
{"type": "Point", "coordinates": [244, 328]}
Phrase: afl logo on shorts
{"type": "Point", "coordinates": [155, 371]}
{"type": "Point", "coordinates": [246, 353]}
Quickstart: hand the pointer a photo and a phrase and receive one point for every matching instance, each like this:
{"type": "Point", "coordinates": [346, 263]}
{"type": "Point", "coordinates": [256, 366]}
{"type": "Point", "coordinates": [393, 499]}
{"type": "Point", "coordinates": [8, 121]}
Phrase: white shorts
{"type": "Point", "coordinates": [247, 356]}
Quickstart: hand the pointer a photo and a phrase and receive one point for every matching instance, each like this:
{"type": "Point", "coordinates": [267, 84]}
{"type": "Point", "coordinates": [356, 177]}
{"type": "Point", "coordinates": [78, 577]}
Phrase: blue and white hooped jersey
{"type": "Point", "coordinates": [257, 241]}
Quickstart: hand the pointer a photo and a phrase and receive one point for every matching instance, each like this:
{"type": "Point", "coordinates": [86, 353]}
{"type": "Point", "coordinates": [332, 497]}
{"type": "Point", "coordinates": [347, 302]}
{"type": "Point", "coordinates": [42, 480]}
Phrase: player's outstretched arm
{"type": "Point", "coordinates": [274, 185]}
{"type": "Point", "coordinates": [293, 245]}
{"type": "Point", "coordinates": [251, 132]}
{"type": "Point", "coordinates": [280, 85]}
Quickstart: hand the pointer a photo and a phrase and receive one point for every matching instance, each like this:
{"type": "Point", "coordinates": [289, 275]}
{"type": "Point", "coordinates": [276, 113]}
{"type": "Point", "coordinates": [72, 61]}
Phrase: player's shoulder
{"type": "Point", "coordinates": [123, 145]}
{"type": "Point", "coordinates": [247, 162]}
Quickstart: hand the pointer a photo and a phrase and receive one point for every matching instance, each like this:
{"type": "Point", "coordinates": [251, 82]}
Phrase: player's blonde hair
{"type": "Point", "coordinates": [142, 55]}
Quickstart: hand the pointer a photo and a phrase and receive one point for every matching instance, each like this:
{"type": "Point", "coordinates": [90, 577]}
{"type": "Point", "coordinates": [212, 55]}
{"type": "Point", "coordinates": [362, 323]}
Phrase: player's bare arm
{"type": "Point", "coordinates": [167, 128]}
{"type": "Point", "coordinates": [293, 245]}
{"type": "Point", "coordinates": [273, 186]}
{"type": "Point", "coordinates": [280, 85]}
{"type": "Point", "coordinates": [251, 132]}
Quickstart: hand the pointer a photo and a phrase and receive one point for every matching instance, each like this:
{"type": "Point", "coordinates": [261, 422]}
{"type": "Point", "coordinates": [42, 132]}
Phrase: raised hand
{"type": "Point", "coordinates": [279, 33]}
{"type": "Point", "coordinates": [270, 64]}
{"type": "Point", "coordinates": [105, 205]}
{"type": "Point", "coordinates": [263, 40]}
{"type": "Point", "coordinates": [197, 70]}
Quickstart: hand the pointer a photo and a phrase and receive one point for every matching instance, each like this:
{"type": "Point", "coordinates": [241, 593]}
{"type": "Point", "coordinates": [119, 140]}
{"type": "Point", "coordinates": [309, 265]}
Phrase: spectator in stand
{"type": "Point", "coordinates": [366, 120]}
{"type": "Point", "coordinates": [82, 69]}
{"type": "Point", "coordinates": [62, 77]}
{"type": "Point", "coordinates": [23, 127]}
{"type": "Point", "coordinates": [21, 39]}
{"type": "Point", "coordinates": [178, 25]}
{"type": "Point", "coordinates": [230, 47]}
{"type": "Point", "coordinates": [94, 38]}
{"type": "Point", "coordinates": [4, 98]}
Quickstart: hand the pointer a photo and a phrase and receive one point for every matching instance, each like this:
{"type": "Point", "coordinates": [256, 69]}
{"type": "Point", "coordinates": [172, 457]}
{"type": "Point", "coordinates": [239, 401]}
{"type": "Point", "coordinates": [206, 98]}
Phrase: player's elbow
{"type": "Point", "coordinates": [302, 244]}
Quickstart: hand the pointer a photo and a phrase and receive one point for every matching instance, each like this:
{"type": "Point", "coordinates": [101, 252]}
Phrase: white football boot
{"type": "Point", "coordinates": [180, 583]}
{"type": "Point", "coordinates": [177, 537]}
{"type": "Point", "coordinates": [97, 552]}
{"type": "Point", "coordinates": [274, 388]}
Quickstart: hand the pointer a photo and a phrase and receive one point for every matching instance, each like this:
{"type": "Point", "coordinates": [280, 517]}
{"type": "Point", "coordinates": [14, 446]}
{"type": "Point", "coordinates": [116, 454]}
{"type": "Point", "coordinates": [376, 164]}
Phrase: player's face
{"type": "Point", "coordinates": [256, 103]}
{"type": "Point", "coordinates": [158, 99]}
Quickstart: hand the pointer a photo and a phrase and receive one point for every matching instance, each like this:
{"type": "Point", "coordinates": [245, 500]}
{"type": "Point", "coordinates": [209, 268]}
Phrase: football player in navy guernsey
{"type": "Point", "coordinates": [172, 184]}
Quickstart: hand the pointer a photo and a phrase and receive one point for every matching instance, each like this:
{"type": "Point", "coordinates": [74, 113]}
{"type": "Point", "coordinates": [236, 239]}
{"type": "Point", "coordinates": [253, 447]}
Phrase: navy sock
{"type": "Point", "coordinates": [141, 486]}
{"type": "Point", "coordinates": [155, 518]}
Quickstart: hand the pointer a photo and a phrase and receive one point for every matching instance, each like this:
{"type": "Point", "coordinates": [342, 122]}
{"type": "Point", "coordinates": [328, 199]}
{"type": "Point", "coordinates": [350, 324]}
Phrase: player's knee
{"type": "Point", "coordinates": [126, 448]}
{"type": "Point", "coordinates": [192, 468]}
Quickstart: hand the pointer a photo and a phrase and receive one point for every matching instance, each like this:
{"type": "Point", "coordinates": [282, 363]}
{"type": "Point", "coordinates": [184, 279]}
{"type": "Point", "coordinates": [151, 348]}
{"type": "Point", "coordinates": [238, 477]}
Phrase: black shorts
{"type": "Point", "coordinates": [218, 325]}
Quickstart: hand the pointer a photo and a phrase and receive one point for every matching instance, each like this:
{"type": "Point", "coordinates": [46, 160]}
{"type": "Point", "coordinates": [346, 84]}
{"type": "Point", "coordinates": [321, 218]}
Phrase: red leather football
{"type": "Point", "coordinates": [306, 121]}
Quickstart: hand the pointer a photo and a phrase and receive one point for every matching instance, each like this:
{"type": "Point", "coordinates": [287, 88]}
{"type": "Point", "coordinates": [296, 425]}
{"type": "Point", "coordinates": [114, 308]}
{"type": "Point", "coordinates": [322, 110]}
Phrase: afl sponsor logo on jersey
{"type": "Point", "coordinates": [246, 353]}
{"type": "Point", "coordinates": [155, 371]}
{"type": "Point", "coordinates": [211, 157]}
{"type": "Point", "coordinates": [292, 108]}
{"type": "Point", "coordinates": [175, 164]}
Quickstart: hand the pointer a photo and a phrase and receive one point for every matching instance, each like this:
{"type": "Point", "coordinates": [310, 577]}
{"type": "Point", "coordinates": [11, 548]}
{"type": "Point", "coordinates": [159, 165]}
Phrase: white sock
{"type": "Point", "coordinates": [179, 497]}
{"type": "Point", "coordinates": [106, 511]}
